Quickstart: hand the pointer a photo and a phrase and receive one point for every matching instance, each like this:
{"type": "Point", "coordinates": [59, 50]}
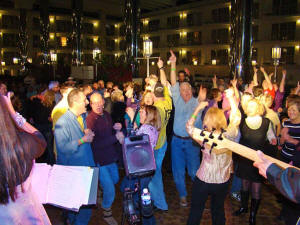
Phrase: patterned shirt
{"type": "Point", "coordinates": [288, 149]}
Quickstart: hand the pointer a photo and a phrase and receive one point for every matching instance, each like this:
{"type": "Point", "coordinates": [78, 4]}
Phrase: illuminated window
{"type": "Point", "coordinates": [63, 41]}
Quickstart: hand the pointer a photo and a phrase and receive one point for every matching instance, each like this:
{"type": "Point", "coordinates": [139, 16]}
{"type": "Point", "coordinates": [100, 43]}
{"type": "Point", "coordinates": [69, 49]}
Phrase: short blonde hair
{"type": "Point", "coordinates": [117, 96]}
{"type": "Point", "coordinates": [215, 118]}
{"type": "Point", "coordinates": [260, 110]}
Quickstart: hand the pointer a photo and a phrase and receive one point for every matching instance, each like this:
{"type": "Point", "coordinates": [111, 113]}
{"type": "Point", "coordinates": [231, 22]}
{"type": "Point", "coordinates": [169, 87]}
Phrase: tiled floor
{"type": "Point", "coordinates": [176, 215]}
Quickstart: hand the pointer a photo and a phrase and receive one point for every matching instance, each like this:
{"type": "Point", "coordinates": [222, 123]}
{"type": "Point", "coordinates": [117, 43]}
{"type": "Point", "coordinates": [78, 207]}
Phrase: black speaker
{"type": "Point", "coordinates": [138, 156]}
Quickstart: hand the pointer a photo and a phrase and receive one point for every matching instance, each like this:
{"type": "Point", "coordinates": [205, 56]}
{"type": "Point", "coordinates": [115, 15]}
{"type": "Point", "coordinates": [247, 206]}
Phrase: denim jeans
{"type": "Point", "coordinates": [184, 155]}
{"type": "Point", "coordinates": [156, 185]}
{"type": "Point", "coordinates": [236, 185]}
{"type": "Point", "coordinates": [80, 218]}
{"type": "Point", "coordinates": [108, 177]}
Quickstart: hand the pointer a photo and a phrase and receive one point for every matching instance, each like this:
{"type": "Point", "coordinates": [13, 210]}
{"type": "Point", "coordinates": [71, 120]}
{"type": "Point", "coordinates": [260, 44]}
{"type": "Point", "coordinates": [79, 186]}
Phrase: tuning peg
{"type": "Point", "coordinates": [212, 146]}
{"type": "Point", "coordinates": [211, 134]}
{"type": "Point", "coordinates": [221, 135]}
{"type": "Point", "coordinates": [204, 141]}
{"type": "Point", "coordinates": [202, 132]}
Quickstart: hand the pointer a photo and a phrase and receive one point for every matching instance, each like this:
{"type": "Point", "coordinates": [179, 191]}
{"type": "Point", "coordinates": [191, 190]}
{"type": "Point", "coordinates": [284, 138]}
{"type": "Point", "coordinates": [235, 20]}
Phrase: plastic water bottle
{"type": "Point", "coordinates": [146, 198]}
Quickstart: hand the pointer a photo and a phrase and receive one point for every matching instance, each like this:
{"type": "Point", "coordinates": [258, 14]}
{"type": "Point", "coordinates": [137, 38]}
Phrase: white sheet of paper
{"type": "Point", "coordinates": [64, 187]}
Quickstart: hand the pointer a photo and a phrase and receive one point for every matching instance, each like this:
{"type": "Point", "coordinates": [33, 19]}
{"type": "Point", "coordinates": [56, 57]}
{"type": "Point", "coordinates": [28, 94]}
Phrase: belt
{"type": "Point", "coordinates": [184, 138]}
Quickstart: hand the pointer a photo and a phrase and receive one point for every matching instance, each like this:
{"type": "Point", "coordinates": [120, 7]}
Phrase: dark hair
{"type": "Point", "coordinates": [257, 91]}
{"type": "Point", "coordinates": [182, 71]}
{"type": "Point", "coordinates": [16, 153]}
{"type": "Point", "coordinates": [214, 93]}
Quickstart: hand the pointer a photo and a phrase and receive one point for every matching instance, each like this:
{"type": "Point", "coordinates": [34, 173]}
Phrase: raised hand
{"type": "Point", "coordinates": [284, 72]}
{"type": "Point", "coordinates": [234, 82]}
{"type": "Point", "coordinates": [160, 63]}
{"type": "Point", "coordinates": [262, 69]}
{"type": "Point", "coordinates": [214, 79]}
{"type": "Point", "coordinates": [202, 105]}
{"type": "Point", "coordinates": [172, 58]}
{"type": "Point", "coordinates": [186, 70]}
{"type": "Point", "coordinates": [202, 93]}
{"type": "Point", "coordinates": [255, 69]}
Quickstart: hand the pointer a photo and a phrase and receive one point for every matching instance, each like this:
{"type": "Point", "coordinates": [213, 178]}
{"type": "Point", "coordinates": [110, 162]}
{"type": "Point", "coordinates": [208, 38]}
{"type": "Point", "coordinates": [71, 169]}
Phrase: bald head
{"type": "Point", "coordinates": [97, 103]}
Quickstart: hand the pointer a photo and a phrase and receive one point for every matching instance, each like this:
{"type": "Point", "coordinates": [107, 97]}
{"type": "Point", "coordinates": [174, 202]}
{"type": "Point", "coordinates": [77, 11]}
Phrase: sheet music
{"type": "Point", "coordinates": [64, 186]}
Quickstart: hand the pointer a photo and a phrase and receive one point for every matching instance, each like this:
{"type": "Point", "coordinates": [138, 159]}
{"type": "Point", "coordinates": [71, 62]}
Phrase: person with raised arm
{"type": "Point", "coordinates": [20, 144]}
{"type": "Point", "coordinates": [184, 153]}
{"type": "Point", "coordinates": [212, 177]}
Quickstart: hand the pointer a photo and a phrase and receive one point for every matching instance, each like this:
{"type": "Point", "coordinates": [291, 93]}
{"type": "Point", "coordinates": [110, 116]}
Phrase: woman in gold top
{"type": "Point", "coordinates": [213, 175]}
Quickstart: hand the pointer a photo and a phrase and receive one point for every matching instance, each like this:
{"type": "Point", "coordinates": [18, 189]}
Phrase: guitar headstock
{"type": "Point", "coordinates": [216, 142]}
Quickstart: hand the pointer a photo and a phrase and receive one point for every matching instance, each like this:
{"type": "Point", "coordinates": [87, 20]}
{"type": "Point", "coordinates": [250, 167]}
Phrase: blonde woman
{"type": "Point", "coordinates": [212, 177]}
{"type": "Point", "coordinates": [255, 131]}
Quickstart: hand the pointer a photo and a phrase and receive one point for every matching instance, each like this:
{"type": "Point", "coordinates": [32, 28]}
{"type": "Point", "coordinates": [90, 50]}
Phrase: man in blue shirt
{"type": "Point", "coordinates": [185, 154]}
{"type": "Point", "coordinates": [73, 145]}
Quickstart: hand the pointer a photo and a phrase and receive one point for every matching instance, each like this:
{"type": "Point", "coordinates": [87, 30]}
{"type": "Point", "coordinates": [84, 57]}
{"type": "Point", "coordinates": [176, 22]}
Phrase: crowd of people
{"type": "Point", "coordinates": [86, 124]}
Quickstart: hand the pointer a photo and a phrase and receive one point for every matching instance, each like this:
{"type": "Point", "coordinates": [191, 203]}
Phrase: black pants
{"type": "Point", "coordinates": [200, 192]}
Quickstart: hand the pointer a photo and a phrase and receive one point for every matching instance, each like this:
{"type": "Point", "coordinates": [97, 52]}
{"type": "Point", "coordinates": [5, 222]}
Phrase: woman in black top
{"type": "Point", "coordinates": [255, 130]}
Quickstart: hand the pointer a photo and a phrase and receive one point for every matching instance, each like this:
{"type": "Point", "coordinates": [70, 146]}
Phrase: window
{"type": "Point", "coordinates": [8, 57]}
{"type": "Point", "coordinates": [10, 40]}
{"type": "Point", "coordinates": [254, 33]}
{"type": "Point", "coordinates": [10, 22]}
{"type": "Point", "coordinates": [110, 30]}
{"type": "Point", "coordinates": [220, 15]}
{"type": "Point", "coordinates": [35, 23]}
{"type": "Point", "coordinates": [190, 20]}
{"type": "Point", "coordinates": [255, 11]}
{"type": "Point", "coordinates": [154, 25]}
{"type": "Point", "coordinates": [219, 36]}
{"type": "Point", "coordinates": [285, 7]}
{"type": "Point", "coordinates": [194, 38]}
{"type": "Point", "coordinates": [155, 41]}
{"type": "Point", "coordinates": [173, 22]}
{"type": "Point", "coordinates": [220, 55]}
{"type": "Point", "coordinates": [192, 56]}
{"type": "Point", "coordinates": [122, 45]}
{"type": "Point", "coordinates": [36, 40]}
{"type": "Point", "coordinates": [173, 40]}
{"type": "Point", "coordinates": [110, 45]}
{"type": "Point", "coordinates": [88, 28]}
{"type": "Point", "coordinates": [122, 30]}
{"type": "Point", "coordinates": [283, 31]}
{"type": "Point", "coordinates": [63, 26]}
{"type": "Point", "coordinates": [287, 55]}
